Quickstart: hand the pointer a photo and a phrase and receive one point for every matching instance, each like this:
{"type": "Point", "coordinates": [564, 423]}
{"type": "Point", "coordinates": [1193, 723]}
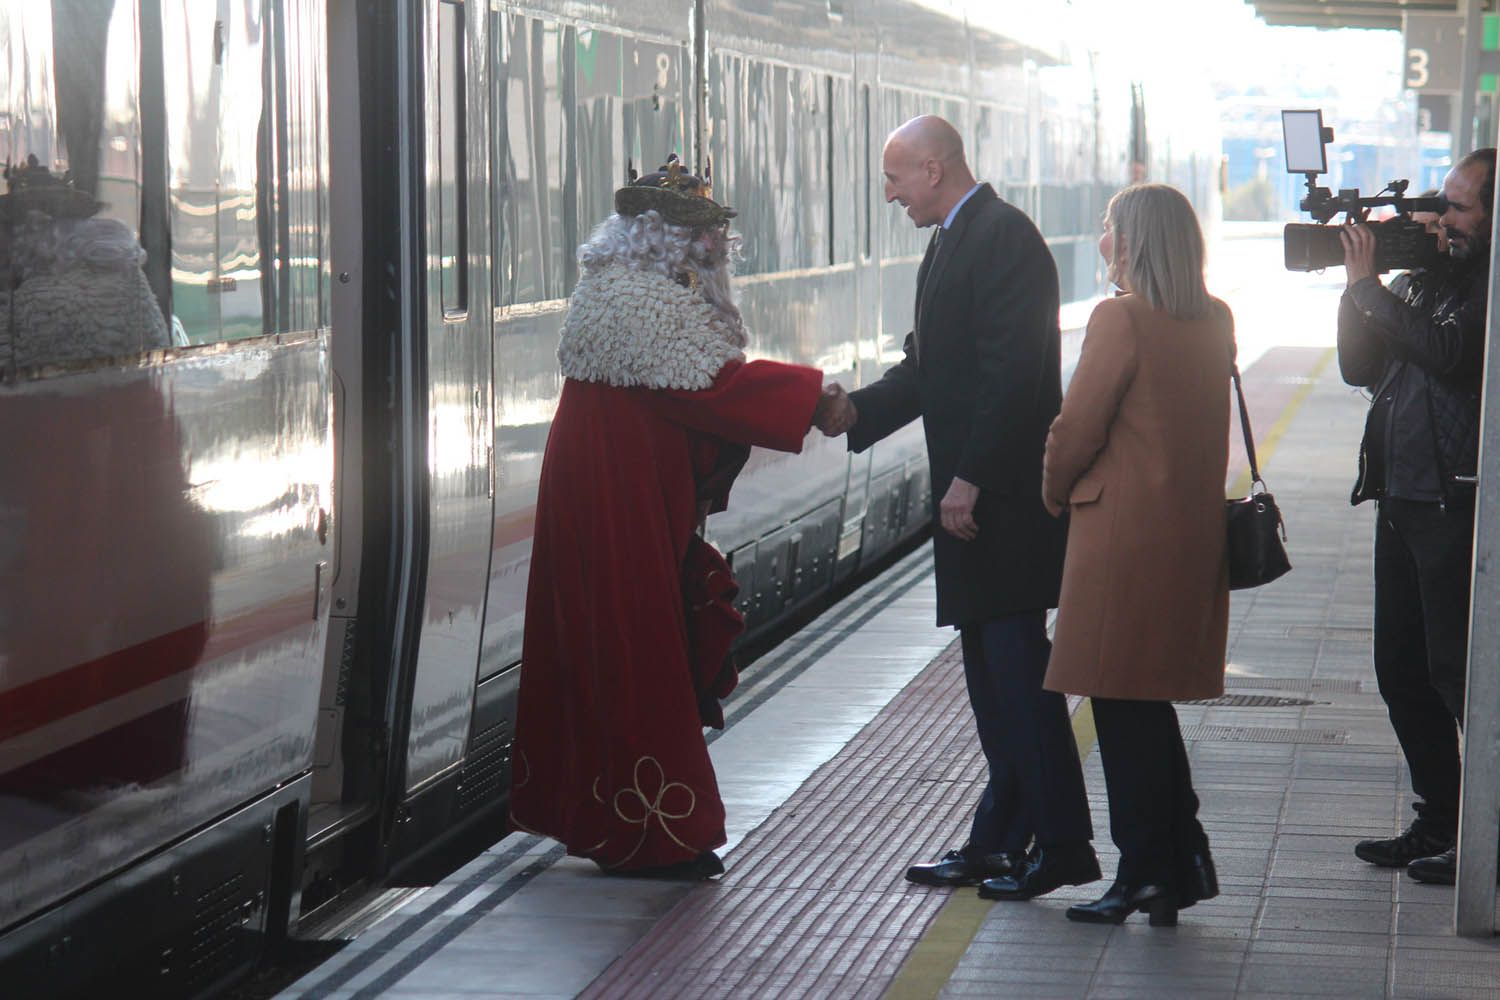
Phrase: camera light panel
{"type": "Point", "coordinates": [1303, 135]}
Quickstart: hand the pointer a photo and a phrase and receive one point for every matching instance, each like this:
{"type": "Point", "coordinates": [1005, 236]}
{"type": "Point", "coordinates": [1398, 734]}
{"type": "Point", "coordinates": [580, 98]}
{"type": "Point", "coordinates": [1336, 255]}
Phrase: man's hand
{"type": "Point", "coordinates": [957, 510]}
{"type": "Point", "coordinates": [835, 412]}
{"type": "Point", "coordinates": [1359, 252]}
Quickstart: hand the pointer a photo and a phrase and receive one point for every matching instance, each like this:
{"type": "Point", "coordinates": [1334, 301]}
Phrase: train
{"type": "Point", "coordinates": [283, 282]}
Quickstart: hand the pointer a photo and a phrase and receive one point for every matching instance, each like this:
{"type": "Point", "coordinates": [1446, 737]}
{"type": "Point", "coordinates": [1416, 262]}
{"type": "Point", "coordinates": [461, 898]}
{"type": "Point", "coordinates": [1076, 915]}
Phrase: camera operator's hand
{"type": "Point", "coordinates": [1359, 252]}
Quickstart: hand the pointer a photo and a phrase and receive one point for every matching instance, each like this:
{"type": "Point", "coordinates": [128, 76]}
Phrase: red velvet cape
{"type": "Point", "coordinates": [609, 753]}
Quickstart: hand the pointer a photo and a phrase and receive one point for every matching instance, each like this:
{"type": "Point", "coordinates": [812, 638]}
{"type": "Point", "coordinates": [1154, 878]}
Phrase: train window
{"type": "Point", "coordinates": [652, 107]}
{"type": "Point", "coordinates": [601, 138]}
{"type": "Point", "coordinates": [759, 181]}
{"type": "Point", "coordinates": [722, 123]}
{"type": "Point", "coordinates": [453, 213]}
{"type": "Point", "coordinates": [72, 284]}
{"type": "Point", "coordinates": [216, 132]}
{"type": "Point", "coordinates": [806, 170]}
{"type": "Point", "coordinates": [902, 239]}
{"type": "Point", "coordinates": [987, 156]}
{"type": "Point", "coordinates": [872, 168]}
{"type": "Point", "coordinates": [629, 114]}
{"type": "Point", "coordinates": [302, 258]}
{"type": "Point", "coordinates": [833, 220]}
{"type": "Point", "coordinates": [773, 160]}
{"type": "Point", "coordinates": [534, 197]}
{"type": "Point", "coordinates": [178, 193]}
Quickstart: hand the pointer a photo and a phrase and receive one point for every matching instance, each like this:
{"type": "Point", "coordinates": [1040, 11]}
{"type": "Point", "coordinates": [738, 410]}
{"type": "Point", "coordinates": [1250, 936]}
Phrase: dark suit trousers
{"type": "Point", "coordinates": [1153, 810]}
{"type": "Point", "coordinates": [1035, 789]}
{"type": "Point", "coordinates": [1423, 557]}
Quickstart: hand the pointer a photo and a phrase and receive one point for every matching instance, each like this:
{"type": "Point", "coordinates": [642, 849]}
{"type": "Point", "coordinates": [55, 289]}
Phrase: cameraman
{"type": "Point", "coordinates": [1418, 346]}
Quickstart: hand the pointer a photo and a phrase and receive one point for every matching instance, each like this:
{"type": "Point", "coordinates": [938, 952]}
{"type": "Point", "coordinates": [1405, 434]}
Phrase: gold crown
{"type": "Point", "coordinates": [680, 197]}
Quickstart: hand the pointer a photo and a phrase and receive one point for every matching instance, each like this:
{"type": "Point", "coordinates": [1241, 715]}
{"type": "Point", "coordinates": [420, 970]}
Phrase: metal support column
{"type": "Point", "coordinates": [700, 85]}
{"type": "Point", "coordinates": [1473, 39]}
{"type": "Point", "coordinates": [1479, 811]}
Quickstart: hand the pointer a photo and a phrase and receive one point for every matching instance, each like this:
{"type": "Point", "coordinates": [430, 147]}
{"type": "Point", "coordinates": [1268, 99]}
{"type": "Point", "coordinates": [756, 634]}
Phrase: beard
{"type": "Point", "coordinates": [717, 286]}
{"type": "Point", "coordinates": [1462, 246]}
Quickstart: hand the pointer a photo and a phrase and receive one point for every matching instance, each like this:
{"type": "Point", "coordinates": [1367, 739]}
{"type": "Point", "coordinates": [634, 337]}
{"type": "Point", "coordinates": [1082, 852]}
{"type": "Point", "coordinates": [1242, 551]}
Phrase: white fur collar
{"type": "Point", "coordinates": [635, 328]}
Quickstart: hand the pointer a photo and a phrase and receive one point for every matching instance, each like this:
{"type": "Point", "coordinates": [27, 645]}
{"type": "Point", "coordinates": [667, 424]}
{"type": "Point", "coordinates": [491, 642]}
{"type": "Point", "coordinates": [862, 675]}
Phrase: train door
{"type": "Point", "coordinates": [411, 309]}
{"type": "Point", "coordinates": [459, 454]}
{"type": "Point", "coordinates": [338, 796]}
{"type": "Point", "coordinates": [868, 184]}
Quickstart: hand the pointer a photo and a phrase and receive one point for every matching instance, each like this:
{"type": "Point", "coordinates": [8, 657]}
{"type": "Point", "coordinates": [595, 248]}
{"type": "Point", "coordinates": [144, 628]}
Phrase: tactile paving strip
{"type": "Point", "coordinates": [1332, 685]}
{"type": "Point", "coordinates": [1262, 734]}
{"type": "Point", "coordinates": [814, 902]}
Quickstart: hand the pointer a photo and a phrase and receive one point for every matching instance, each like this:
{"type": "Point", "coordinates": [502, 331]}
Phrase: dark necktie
{"type": "Point", "coordinates": [927, 261]}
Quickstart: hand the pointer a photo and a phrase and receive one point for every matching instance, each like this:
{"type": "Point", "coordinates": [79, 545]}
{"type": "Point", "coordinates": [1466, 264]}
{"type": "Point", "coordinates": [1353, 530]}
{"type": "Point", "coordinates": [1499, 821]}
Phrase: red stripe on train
{"type": "Point", "coordinates": [72, 690]}
{"type": "Point", "coordinates": [76, 688]}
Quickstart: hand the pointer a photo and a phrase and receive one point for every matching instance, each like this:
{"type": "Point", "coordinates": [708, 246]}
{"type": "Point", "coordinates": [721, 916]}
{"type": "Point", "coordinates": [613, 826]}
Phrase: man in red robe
{"type": "Point", "coordinates": [657, 412]}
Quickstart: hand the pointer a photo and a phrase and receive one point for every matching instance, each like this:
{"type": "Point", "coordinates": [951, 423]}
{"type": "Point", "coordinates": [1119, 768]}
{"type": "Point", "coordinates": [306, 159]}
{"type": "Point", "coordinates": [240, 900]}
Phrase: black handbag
{"type": "Point", "coordinates": [1256, 531]}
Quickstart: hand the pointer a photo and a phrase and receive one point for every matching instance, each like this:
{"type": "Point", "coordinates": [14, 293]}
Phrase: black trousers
{"type": "Point", "coordinates": [1035, 788]}
{"type": "Point", "coordinates": [1153, 810]}
{"type": "Point", "coordinates": [1423, 557]}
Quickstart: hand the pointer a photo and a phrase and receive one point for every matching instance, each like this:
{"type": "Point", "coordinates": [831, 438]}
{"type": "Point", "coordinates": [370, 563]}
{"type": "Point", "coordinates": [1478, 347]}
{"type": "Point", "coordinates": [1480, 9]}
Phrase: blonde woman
{"type": "Point", "coordinates": [1138, 457]}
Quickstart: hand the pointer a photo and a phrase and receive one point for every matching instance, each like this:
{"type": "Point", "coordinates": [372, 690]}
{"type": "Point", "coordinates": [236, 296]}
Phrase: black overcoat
{"type": "Point", "coordinates": [982, 371]}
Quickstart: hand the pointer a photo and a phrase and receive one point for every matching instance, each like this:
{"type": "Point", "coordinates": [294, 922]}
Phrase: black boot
{"type": "Point", "coordinates": [1198, 880]}
{"type": "Point", "coordinates": [1122, 900]}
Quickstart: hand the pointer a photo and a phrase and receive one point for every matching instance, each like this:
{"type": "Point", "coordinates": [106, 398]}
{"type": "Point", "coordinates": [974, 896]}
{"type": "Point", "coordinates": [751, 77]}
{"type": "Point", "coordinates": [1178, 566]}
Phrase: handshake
{"type": "Point", "coordinates": [835, 412]}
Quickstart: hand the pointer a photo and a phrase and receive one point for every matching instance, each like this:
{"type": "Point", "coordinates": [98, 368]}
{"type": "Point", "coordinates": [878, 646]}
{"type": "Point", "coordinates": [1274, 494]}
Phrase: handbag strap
{"type": "Point", "coordinates": [1239, 392]}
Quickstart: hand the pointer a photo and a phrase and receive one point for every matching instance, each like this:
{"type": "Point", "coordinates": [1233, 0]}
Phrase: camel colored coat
{"type": "Point", "coordinates": [1139, 455]}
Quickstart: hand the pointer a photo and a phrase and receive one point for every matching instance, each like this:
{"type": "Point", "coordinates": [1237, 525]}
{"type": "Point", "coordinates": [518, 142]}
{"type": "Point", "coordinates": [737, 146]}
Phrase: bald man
{"type": "Point", "coordinates": [981, 370]}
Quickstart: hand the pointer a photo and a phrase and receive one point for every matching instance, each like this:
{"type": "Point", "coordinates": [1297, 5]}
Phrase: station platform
{"type": "Point", "coordinates": [850, 753]}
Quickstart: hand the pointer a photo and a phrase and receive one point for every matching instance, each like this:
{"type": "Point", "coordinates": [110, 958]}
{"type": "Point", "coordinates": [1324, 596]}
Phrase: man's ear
{"type": "Point", "coordinates": [934, 172]}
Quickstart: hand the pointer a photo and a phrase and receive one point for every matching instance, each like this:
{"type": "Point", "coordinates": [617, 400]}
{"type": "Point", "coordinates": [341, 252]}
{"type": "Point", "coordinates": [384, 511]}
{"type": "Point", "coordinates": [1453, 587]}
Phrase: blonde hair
{"type": "Point", "coordinates": [1163, 248]}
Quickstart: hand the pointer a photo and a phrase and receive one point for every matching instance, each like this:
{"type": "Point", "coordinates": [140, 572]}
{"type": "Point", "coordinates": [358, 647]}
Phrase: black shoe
{"type": "Point", "coordinates": [704, 866]}
{"type": "Point", "coordinates": [1122, 900]}
{"type": "Point", "coordinates": [958, 868]}
{"type": "Point", "coordinates": [1440, 869]}
{"type": "Point", "coordinates": [1398, 852]}
{"type": "Point", "coordinates": [1198, 880]}
{"type": "Point", "coordinates": [1047, 869]}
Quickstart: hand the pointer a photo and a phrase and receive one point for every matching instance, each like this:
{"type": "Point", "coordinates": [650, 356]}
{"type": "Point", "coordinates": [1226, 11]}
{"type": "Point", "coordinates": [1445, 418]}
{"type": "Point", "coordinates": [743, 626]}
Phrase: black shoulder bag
{"type": "Point", "coordinates": [1256, 532]}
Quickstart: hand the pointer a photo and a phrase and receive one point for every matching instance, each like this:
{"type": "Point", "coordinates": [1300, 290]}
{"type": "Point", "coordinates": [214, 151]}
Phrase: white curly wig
{"type": "Point", "coordinates": [649, 243]}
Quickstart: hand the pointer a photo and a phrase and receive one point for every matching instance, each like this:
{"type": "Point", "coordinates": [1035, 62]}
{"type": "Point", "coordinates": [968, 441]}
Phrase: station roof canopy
{"type": "Point", "coordinates": [1351, 13]}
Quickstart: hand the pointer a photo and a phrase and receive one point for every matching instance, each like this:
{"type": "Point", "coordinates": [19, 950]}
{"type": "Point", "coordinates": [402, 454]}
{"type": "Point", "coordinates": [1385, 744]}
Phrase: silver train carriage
{"type": "Point", "coordinates": [282, 283]}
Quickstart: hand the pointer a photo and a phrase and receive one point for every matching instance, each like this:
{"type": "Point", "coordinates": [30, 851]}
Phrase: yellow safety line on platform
{"type": "Point", "coordinates": [932, 961]}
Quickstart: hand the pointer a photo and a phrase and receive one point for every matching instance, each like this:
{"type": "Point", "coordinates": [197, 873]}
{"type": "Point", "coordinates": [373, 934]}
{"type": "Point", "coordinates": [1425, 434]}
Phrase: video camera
{"type": "Point", "coordinates": [1400, 242]}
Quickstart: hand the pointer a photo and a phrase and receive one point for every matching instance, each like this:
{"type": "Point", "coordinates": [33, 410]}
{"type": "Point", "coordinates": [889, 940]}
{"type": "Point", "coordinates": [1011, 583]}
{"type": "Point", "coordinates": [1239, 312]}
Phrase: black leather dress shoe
{"type": "Point", "coordinates": [1122, 900]}
{"type": "Point", "coordinates": [1398, 852]}
{"type": "Point", "coordinates": [1048, 868]}
{"type": "Point", "coordinates": [958, 868]}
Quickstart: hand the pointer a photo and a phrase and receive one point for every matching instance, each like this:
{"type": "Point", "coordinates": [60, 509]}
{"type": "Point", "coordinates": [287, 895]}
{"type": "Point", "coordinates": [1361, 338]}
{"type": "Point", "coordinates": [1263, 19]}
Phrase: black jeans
{"type": "Point", "coordinates": [1153, 810]}
{"type": "Point", "coordinates": [1035, 789]}
{"type": "Point", "coordinates": [1423, 557]}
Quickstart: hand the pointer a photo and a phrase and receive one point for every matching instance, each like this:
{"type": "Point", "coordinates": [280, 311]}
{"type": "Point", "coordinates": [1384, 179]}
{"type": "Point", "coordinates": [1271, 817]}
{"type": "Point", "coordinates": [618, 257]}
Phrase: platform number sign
{"type": "Point", "coordinates": [1434, 52]}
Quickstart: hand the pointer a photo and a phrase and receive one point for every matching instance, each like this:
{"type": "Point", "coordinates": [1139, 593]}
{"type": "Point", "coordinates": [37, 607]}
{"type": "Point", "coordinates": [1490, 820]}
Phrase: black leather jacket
{"type": "Point", "coordinates": [1419, 348]}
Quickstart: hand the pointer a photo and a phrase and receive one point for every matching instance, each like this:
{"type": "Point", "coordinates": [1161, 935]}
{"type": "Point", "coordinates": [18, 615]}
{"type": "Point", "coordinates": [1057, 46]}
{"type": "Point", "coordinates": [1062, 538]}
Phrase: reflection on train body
{"type": "Point", "coordinates": [280, 289]}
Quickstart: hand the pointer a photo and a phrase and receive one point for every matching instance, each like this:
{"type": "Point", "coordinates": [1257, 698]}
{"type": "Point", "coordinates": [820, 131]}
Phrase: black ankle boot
{"type": "Point", "coordinates": [1198, 880]}
{"type": "Point", "coordinates": [1122, 900]}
